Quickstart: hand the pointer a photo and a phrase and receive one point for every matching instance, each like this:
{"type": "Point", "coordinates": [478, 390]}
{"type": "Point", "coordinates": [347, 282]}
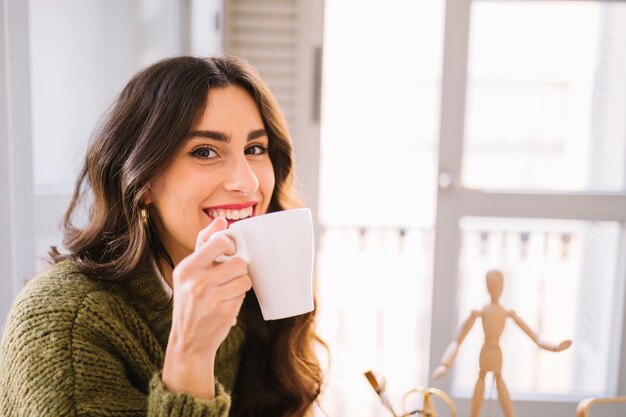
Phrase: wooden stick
{"type": "Point", "coordinates": [582, 410]}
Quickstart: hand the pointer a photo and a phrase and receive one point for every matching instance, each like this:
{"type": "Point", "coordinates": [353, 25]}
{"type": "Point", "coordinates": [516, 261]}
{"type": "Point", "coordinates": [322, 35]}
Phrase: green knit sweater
{"type": "Point", "coordinates": [73, 346]}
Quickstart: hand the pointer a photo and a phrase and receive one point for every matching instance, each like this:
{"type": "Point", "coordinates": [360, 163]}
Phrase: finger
{"type": "Point", "coordinates": [233, 307]}
{"type": "Point", "coordinates": [564, 345]}
{"type": "Point", "coordinates": [235, 288]}
{"type": "Point", "coordinates": [223, 273]}
{"type": "Point", "coordinates": [204, 257]}
{"type": "Point", "coordinates": [219, 223]}
{"type": "Point", "coordinates": [226, 297]}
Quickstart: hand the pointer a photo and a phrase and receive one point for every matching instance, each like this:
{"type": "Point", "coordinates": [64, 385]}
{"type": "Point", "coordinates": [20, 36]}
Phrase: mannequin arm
{"type": "Point", "coordinates": [453, 348]}
{"type": "Point", "coordinates": [541, 343]}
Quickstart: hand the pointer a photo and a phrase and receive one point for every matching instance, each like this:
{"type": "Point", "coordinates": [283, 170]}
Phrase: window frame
{"type": "Point", "coordinates": [16, 178]}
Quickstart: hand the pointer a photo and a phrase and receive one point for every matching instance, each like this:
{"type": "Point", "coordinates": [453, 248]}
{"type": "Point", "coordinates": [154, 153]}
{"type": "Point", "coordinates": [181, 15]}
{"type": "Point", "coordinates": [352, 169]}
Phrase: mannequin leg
{"type": "Point", "coordinates": [479, 395]}
{"type": "Point", "coordinates": [503, 396]}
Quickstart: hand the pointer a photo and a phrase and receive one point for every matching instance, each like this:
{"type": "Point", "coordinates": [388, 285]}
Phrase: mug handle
{"type": "Point", "coordinates": [241, 250]}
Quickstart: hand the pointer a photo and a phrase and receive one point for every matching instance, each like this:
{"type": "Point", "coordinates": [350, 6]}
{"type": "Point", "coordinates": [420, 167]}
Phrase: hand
{"type": "Point", "coordinates": [440, 371]}
{"type": "Point", "coordinates": [552, 347]}
{"type": "Point", "coordinates": [207, 300]}
{"type": "Point", "coordinates": [563, 345]}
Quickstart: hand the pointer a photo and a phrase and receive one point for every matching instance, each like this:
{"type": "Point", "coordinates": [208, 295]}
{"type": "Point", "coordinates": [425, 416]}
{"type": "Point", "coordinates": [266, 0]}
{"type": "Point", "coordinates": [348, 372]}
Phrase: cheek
{"type": "Point", "coordinates": [267, 182]}
{"type": "Point", "coordinates": [180, 219]}
{"type": "Point", "coordinates": [177, 201]}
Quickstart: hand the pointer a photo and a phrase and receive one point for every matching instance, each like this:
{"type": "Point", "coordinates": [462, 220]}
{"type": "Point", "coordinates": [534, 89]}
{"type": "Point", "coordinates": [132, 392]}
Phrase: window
{"type": "Point", "coordinates": [378, 168]}
{"type": "Point", "coordinates": [526, 164]}
{"type": "Point", "coordinates": [545, 107]}
{"type": "Point", "coordinates": [530, 178]}
{"type": "Point", "coordinates": [561, 278]}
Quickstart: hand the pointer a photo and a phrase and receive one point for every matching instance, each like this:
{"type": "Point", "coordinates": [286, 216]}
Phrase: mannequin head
{"type": "Point", "coordinates": [495, 283]}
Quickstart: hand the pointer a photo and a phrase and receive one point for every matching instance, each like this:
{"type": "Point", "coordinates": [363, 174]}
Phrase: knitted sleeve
{"type": "Point", "coordinates": [77, 359]}
{"type": "Point", "coordinates": [163, 403]}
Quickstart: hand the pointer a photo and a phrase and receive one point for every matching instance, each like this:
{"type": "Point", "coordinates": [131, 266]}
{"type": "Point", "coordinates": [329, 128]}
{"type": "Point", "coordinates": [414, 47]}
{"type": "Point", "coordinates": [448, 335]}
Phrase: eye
{"type": "Point", "coordinates": [203, 152]}
{"type": "Point", "coordinates": [256, 150]}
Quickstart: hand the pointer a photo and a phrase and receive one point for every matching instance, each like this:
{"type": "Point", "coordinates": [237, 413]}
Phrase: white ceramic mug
{"type": "Point", "coordinates": [279, 250]}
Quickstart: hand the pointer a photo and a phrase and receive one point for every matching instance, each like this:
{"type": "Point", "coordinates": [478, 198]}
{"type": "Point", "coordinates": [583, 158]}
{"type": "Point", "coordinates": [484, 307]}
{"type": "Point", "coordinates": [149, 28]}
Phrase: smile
{"type": "Point", "coordinates": [231, 212]}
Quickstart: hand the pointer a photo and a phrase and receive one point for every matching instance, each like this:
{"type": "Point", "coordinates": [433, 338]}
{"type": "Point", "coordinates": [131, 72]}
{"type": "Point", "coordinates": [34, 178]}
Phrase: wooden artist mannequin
{"type": "Point", "coordinates": [493, 317]}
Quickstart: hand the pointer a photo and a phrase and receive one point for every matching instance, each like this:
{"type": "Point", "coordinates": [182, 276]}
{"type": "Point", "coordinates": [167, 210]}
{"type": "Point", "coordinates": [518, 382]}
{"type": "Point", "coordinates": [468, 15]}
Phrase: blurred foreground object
{"type": "Point", "coordinates": [379, 387]}
{"type": "Point", "coordinates": [583, 408]}
{"type": "Point", "coordinates": [428, 406]}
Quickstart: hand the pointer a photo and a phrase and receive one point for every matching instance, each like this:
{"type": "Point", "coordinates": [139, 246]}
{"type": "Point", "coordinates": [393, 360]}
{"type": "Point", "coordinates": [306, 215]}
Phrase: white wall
{"type": "Point", "coordinates": [62, 64]}
{"type": "Point", "coordinates": [82, 54]}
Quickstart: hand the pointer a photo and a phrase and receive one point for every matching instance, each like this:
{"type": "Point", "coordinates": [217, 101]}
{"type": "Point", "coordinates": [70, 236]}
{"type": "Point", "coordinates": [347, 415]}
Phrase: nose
{"type": "Point", "coordinates": [240, 177]}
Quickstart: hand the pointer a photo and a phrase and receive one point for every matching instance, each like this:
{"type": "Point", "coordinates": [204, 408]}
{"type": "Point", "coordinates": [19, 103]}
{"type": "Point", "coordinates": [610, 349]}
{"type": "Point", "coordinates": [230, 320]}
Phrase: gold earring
{"type": "Point", "coordinates": [143, 213]}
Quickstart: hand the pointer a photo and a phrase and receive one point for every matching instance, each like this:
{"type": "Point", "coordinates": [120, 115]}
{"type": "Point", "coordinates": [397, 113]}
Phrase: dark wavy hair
{"type": "Point", "coordinates": [280, 373]}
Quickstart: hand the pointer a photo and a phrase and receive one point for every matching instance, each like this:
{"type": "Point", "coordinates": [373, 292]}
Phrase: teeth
{"type": "Point", "coordinates": [231, 214]}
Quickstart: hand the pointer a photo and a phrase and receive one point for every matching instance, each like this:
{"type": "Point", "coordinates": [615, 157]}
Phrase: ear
{"type": "Point", "coordinates": [146, 198]}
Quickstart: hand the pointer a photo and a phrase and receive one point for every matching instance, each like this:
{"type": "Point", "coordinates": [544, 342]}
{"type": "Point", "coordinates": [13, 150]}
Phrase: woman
{"type": "Point", "coordinates": [137, 318]}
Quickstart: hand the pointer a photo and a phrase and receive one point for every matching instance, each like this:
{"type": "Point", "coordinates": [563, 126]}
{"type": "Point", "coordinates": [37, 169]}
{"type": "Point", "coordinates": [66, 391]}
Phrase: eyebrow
{"type": "Point", "coordinates": [223, 137]}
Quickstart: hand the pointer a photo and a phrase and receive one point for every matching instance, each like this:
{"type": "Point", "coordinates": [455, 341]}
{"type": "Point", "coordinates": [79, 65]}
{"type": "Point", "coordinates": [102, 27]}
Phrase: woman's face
{"type": "Point", "coordinates": [223, 169]}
